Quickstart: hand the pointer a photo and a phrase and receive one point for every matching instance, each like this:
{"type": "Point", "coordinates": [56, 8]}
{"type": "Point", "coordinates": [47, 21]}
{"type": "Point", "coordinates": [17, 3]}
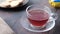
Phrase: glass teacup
{"type": "Point", "coordinates": [39, 16]}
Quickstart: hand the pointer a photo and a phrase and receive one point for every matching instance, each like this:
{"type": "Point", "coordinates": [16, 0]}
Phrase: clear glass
{"type": "Point", "coordinates": [34, 9]}
{"type": "Point", "coordinates": [32, 20]}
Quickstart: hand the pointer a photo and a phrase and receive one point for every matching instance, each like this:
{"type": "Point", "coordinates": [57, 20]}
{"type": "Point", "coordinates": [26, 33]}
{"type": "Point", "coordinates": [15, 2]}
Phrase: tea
{"type": "Point", "coordinates": [38, 17]}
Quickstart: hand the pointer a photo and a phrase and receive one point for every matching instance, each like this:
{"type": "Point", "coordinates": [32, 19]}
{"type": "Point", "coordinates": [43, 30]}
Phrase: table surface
{"type": "Point", "coordinates": [12, 18]}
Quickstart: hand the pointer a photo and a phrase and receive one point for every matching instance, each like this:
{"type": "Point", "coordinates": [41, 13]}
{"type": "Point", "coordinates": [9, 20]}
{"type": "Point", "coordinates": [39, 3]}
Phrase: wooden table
{"type": "Point", "coordinates": [12, 18]}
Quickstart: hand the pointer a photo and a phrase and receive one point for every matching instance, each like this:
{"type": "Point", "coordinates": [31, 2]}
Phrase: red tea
{"type": "Point", "coordinates": [38, 17]}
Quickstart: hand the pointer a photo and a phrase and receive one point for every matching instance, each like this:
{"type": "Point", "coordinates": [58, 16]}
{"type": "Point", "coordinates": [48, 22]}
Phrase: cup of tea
{"type": "Point", "coordinates": [39, 16]}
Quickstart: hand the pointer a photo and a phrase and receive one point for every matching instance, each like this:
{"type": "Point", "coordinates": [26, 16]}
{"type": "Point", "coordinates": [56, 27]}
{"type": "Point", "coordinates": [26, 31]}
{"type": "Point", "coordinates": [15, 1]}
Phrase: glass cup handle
{"type": "Point", "coordinates": [54, 16]}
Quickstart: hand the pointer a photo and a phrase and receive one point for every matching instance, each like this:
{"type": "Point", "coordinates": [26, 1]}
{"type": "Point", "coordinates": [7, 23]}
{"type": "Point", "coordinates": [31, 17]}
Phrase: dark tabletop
{"type": "Point", "coordinates": [13, 16]}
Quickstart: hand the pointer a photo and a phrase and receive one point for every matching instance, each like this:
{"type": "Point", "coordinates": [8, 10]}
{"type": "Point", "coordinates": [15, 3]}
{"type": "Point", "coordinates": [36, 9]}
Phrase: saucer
{"type": "Point", "coordinates": [25, 24]}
